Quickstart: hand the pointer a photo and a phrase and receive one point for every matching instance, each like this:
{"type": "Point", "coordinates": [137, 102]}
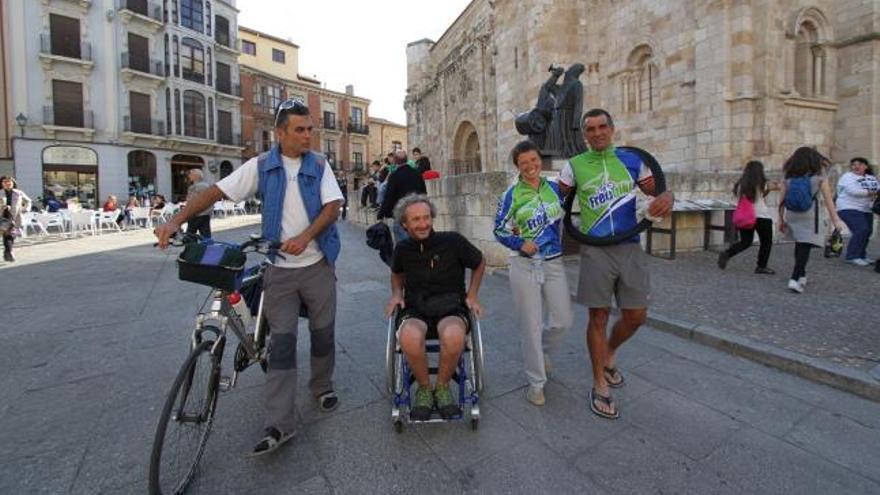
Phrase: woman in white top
{"type": "Point", "coordinates": [754, 185]}
{"type": "Point", "coordinates": [856, 191]}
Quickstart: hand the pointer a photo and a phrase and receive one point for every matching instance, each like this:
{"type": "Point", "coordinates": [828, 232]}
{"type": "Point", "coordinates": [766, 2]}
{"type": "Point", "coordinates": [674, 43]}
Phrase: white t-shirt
{"type": "Point", "coordinates": [244, 183]}
{"type": "Point", "coordinates": [761, 208]}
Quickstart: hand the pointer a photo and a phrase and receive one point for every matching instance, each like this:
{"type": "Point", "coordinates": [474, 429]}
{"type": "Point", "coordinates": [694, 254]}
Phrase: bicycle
{"type": "Point", "coordinates": [188, 414]}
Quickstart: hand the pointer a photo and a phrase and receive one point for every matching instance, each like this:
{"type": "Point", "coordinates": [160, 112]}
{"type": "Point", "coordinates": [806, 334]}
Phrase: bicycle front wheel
{"type": "Point", "coordinates": [185, 423]}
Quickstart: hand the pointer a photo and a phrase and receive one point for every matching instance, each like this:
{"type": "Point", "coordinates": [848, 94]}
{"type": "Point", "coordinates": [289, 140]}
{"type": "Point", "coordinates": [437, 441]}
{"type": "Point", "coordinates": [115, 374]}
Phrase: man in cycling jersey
{"type": "Point", "coordinates": [606, 179]}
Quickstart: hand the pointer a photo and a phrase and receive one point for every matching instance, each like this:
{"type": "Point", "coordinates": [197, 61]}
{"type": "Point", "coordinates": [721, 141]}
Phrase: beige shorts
{"type": "Point", "coordinates": [617, 272]}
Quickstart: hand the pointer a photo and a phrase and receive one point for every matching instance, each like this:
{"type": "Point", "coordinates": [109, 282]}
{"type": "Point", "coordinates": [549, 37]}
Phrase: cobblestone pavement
{"type": "Point", "coordinates": [835, 319]}
{"type": "Point", "coordinates": [92, 341]}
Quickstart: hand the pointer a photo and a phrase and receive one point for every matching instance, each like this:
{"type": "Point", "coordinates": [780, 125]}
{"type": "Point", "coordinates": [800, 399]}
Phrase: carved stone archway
{"type": "Point", "coordinates": [467, 158]}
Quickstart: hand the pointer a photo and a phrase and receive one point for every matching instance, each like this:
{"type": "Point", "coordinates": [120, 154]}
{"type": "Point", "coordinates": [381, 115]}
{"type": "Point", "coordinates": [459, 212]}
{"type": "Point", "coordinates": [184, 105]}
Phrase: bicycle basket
{"type": "Point", "coordinates": [215, 265]}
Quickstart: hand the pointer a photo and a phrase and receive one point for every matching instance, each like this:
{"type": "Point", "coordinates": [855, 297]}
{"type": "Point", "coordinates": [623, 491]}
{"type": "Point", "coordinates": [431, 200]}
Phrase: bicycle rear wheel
{"type": "Point", "coordinates": [185, 423]}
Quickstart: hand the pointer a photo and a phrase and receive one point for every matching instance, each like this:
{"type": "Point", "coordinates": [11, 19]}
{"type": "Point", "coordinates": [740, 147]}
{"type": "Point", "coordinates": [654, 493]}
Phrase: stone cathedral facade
{"type": "Point", "coordinates": [705, 85]}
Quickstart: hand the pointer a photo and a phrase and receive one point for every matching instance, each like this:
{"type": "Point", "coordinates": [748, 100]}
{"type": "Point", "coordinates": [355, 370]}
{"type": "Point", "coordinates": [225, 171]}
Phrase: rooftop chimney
{"type": "Point", "coordinates": [349, 90]}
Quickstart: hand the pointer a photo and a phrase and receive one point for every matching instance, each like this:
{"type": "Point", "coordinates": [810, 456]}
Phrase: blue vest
{"type": "Point", "coordinates": [273, 186]}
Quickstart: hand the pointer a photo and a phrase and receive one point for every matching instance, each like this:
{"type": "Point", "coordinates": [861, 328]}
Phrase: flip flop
{"type": "Point", "coordinates": [274, 438]}
{"type": "Point", "coordinates": [609, 377]}
{"type": "Point", "coordinates": [594, 396]}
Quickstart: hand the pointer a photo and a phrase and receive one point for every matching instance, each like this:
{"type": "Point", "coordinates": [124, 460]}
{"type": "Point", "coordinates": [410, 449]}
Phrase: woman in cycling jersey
{"type": "Point", "coordinates": [528, 222]}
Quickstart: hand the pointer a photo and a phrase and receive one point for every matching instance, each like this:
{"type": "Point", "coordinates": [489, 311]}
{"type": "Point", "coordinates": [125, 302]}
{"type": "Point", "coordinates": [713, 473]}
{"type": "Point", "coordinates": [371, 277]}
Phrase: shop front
{"type": "Point", "coordinates": [71, 172]}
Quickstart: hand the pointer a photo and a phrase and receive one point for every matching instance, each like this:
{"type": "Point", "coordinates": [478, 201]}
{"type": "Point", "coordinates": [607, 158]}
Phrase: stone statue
{"type": "Point", "coordinates": [554, 123]}
{"type": "Point", "coordinates": [566, 124]}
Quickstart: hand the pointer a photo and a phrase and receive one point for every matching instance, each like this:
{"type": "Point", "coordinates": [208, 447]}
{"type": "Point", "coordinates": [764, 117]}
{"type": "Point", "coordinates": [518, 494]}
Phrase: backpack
{"type": "Point", "coordinates": [744, 215]}
{"type": "Point", "coordinates": [798, 196]}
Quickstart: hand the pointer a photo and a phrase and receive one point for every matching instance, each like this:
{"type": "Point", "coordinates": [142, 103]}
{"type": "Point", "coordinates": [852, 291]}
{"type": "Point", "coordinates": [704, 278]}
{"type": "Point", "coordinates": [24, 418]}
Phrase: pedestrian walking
{"type": "Point", "coordinates": [528, 222]}
{"type": "Point", "coordinates": [200, 223]}
{"type": "Point", "coordinates": [805, 179]}
{"type": "Point", "coordinates": [404, 180]}
{"type": "Point", "coordinates": [751, 191]}
{"type": "Point", "coordinates": [856, 191]}
{"type": "Point", "coordinates": [301, 201]}
{"type": "Point", "coordinates": [13, 204]}
{"type": "Point", "coordinates": [604, 179]}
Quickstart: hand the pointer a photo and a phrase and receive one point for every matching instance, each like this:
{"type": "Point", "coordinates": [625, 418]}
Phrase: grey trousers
{"type": "Point", "coordinates": [284, 290]}
{"type": "Point", "coordinates": [540, 287]}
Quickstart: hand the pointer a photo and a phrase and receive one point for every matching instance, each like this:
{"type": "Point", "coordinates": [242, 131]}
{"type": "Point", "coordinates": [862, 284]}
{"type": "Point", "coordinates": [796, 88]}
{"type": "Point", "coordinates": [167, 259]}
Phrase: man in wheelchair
{"type": "Point", "coordinates": [427, 285]}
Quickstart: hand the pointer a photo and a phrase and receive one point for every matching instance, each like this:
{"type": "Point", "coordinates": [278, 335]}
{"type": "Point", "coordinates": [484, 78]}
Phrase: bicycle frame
{"type": "Point", "coordinates": [217, 316]}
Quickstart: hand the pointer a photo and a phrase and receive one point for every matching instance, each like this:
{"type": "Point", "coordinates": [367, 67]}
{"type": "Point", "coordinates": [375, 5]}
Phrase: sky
{"type": "Point", "coordinates": [359, 42]}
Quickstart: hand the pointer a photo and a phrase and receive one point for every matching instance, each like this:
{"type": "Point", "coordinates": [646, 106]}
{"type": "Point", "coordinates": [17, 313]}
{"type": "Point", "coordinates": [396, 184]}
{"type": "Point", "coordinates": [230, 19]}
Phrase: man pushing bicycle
{"type": "Point", "coordinates": [300, 200]}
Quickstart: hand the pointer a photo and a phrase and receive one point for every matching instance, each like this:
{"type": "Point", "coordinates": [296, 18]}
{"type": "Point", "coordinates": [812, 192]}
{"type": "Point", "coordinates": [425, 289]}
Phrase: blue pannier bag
{"type": "Point", "coordinates": [213, 264]}
{"type": "Point", "coordinates": [798, 196]}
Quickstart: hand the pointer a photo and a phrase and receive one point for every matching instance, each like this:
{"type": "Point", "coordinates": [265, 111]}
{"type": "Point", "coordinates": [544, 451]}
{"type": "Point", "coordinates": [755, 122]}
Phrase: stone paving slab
{"type": "Point", "coordinates": [84, 385]}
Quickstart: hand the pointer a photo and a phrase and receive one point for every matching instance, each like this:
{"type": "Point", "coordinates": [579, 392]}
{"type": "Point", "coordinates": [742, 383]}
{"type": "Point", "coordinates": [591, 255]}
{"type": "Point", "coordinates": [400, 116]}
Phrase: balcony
{"type": "Point", "coordinates": [76, 54]}
{"type": "Point", "coordinates": [227, 88]}
{"type": "Point", "coordinates": [356, 128]}
{"type": "Point", "coordinates": [81, 122]}
{"type": "Point", "coordinates": [228, 44]}
{"type": "Point", "coordinates": [228, 138]}
{"type": "Point", "coordinates": [331, 124]}
{"type": "Point", "coordinates": [143, 67]}
{"type": "Point", "coordinates": [142, 11]}
{"type": "Point", "coordinates": [154, 127]}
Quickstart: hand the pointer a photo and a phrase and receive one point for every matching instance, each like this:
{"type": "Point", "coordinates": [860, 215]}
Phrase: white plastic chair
{"type": "Point", "coordinates": [82, 220]}
{"type": "Point", "coordinates": [219, 209]}
{"type": "Point", "coordinates": [49, 220]}
{"type": "Point", "coordinates": [238, 208]}
{"type": "Point", "coordinates": [29, 221]}
{"type": "Point", "coordinates": [107, 219]}
{"type": "Point", "coordinates": [139, 216]}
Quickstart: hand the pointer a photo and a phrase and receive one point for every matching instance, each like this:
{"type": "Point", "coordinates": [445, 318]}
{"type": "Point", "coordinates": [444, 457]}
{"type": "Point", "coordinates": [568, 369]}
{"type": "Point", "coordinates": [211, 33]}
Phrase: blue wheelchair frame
{"type": "Point", "coordinates": [468, 376]}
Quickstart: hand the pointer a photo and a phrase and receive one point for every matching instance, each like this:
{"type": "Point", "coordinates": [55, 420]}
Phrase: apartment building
{"type": "Point", "coordinates": [123, 96]}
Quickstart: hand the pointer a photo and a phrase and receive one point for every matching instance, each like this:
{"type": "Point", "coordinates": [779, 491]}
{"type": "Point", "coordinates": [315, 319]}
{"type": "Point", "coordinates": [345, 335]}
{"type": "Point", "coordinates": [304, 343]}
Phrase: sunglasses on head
{"type": "Point", "coordinates": [287, 105]}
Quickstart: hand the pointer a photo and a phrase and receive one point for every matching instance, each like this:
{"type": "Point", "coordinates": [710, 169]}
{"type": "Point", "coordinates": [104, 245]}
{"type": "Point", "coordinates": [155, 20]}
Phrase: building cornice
{"type": "Point", "coordinates": [261, 34]}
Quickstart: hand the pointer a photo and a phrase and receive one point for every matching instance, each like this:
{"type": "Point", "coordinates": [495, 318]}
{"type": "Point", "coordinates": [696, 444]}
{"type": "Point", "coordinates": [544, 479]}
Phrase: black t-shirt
{"type": "Point", "coordinates": [434, 266]}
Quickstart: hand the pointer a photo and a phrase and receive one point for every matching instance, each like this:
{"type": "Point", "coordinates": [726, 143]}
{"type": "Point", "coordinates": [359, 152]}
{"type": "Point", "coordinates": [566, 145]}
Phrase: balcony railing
{"type": "Point", "coordinates": [81, 52]}
{"type": "Point", "coordinates": [228, 138]}
{"type": "Point", "coordinates": [332, 124]}
{"type": "Point", "coordinates": [358, 128]}
{"type": "Point", "coordinates": [143, 126]}
{"type": "Point", "coordinates": [231, 43]}
{"type": "Point", "coordinates": [143, 64]}
{"type": "Point", "coordinates": [80, 119]}
{"type": "Point", "coordinates": [143, 7]}
{"type": "Point", "coordinates": [461, 167]}
{"type": "Point", "coordinates": [226, 87]}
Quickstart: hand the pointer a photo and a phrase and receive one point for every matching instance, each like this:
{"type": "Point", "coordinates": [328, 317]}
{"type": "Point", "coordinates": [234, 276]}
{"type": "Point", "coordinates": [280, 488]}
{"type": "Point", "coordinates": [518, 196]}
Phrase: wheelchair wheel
{"type": "Point", "coordinates": [390, 351]}
{"type": "Point", "coordinates": [477, 353]}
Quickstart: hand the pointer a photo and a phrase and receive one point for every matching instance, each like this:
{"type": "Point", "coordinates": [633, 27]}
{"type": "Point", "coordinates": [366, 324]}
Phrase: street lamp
{"type": "Point", "coordinates": [21, 120]}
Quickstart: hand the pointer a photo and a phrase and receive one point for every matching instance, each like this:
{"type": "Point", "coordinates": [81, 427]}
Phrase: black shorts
{"type": "Point", "coordinates": [462, 312]}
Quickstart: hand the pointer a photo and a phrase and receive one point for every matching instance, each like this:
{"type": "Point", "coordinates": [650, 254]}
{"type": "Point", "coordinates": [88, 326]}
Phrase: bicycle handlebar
{"type": "Point", "coordinates": [256, 245]}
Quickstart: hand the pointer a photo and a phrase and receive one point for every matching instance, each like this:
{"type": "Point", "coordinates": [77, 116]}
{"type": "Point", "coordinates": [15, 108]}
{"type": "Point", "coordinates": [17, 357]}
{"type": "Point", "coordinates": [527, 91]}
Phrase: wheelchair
{"type": "Point", "coordinates": [468, 376]}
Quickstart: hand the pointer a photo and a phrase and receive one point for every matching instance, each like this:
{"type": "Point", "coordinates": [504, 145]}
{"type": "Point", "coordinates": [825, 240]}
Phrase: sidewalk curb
{"type": "Point", "coordinates": [857, 382]}
{"type": "Point", "coordinates": [849, 380]}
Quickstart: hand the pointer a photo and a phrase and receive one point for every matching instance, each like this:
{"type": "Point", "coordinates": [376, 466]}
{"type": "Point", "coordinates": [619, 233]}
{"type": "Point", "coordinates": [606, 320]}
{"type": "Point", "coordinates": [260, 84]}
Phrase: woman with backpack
{"type": "Point", "coordinates": [856, 191]}
{"type": "Point", "coordinates": [751, 189]}
{"type": "Point", "coordinates": [799, 210]}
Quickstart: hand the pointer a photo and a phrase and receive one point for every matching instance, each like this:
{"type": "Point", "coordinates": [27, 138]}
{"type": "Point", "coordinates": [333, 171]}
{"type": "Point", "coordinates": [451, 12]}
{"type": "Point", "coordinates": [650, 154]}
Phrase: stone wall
{"type": "Point", "coordinates": [726, 78]}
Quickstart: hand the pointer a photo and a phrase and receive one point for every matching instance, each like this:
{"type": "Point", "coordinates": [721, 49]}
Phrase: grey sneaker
{"type": "Point", "coordinates": [535, 395]}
